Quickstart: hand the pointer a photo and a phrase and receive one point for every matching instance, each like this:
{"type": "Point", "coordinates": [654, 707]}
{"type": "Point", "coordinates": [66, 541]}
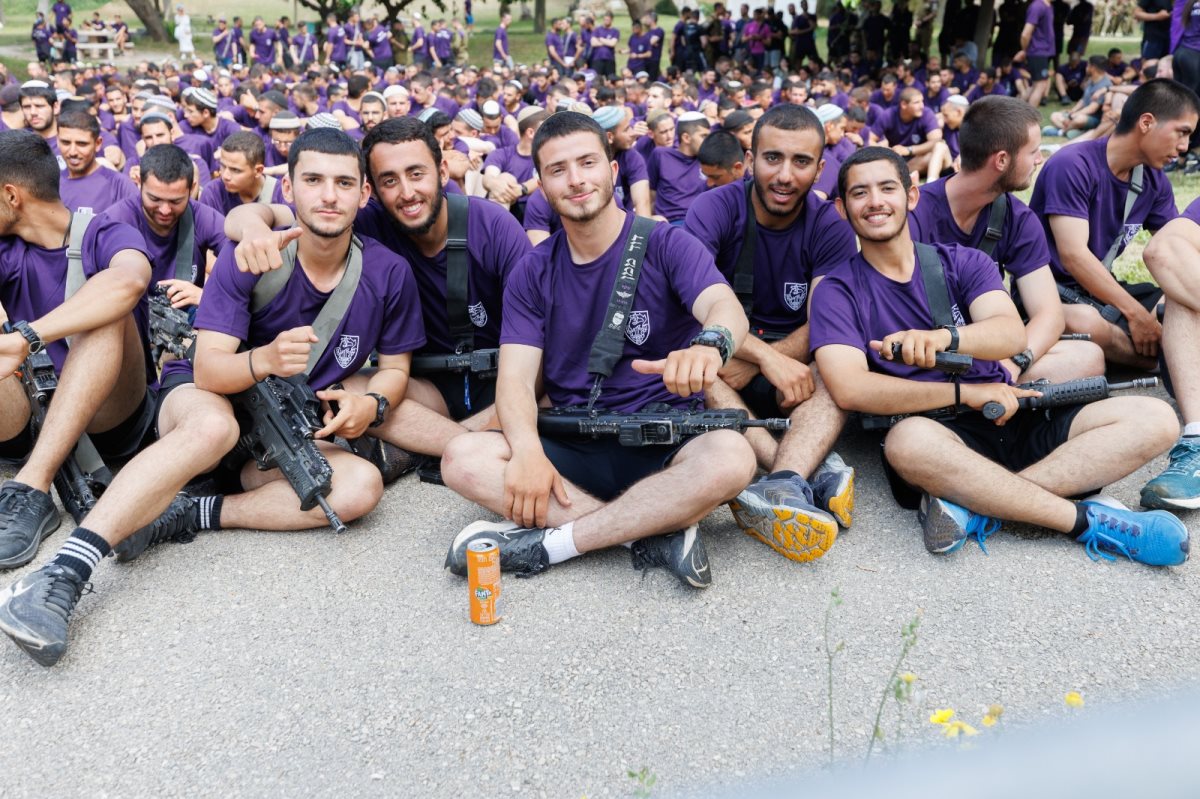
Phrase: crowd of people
{"type": "Point", "coordinates": [803, 243]}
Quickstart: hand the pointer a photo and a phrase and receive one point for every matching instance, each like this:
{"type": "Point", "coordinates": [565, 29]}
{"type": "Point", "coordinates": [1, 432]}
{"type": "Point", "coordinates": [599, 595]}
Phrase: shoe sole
{"type": "Point", "coordinates": [18, 632]}
{"type": "Point", "coordinates": [30, 552]}
{"type": "Point", "coordinates": [796, 535]}
{"type": "Point", "coordinates": [942, 533]}
{"type": "Point", "coordinates": [468, 532]}
{"type": "Point", "coordinates": [1159, 502]}
{"type": "Point", "coordinates": [841, 504]}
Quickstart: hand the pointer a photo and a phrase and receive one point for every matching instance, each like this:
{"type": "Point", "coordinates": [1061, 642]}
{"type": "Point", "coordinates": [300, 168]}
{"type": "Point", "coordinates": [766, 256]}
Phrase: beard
{"type": "Point", "coordinates": [604, 196]}
{"type": "Point", "coordinates": [1011, 181]}
{"type": "Point", "coordinates": [775, 210]}
{"type": "Point", "coordinates": [423, 227]}
{"type": "Point", "coordinates": [320, 228]}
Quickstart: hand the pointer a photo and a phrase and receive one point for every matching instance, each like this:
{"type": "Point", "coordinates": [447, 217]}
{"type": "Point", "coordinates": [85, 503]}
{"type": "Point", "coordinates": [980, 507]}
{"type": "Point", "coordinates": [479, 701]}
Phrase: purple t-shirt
{"type": "Point", "coordinates": [508, 160]}
{"type": "Point", "coordinates": [950, 137]}
{"type": "Point", "coordinates": [443, 45]}
{"type": "Point", "coordinates": [878, 99]}
{"type": "Point", "coordinates": [834, 156]}
{"type": "Point", "coordinates": [638, 43]}
{"type": "Point", "coordinates": [855, 305]}
{"type": "Point", "coordinates": [1077, 182]}
{"type": "Point", "coordinates": [676, 180]}
{"type": "Point", "coordinates": [337, 37]}
{"type": "Point", "coordinates": [263, 42]}
{"type": "Point", "coordinates": [498, 42]}
{"type": "Point", "coordinates": [785, 261]}
{"type": "Point", "coordinates": [603, 52]}
{"type": "Point", "coordinates": [495, 244]}
{"type": "Point", "coordinates": [934, 102]}
{"type": "Point", "coordinates": [550, 299]}
{"type": "Point", "coordinates": [539, 215]}
{"type": "Point", "coordinates": [226, 48]}
{"type": "Point", "coordinates": [891, 127]}
{"type": "Point", "coordinates": [631, 169]}
{"type": "Point", "coordinates": [102, 189]}
{"type": "Point", "coordinates": [306, 47]}
{"type": "Point", "coordinates": [1022, 246]}
{"type": "Point", "coordinates": [384, 314]}
{"type": "Point", "coordinates": [208, 236]}
{"type": "Point", "coordinates": [1041, 16]}
{"type": "Point", "coordinates": [224, 129]}
{"type": "Point", "coordinates": [504, 137]}
{"type": "Point", "coordinates": [33, 280]}
{"type": "Point", "coordinates": [216, 196]}
{"type": "Point", "coordinates": [381, 44]}
{"type": "Point", "coordinates": [963, 81]}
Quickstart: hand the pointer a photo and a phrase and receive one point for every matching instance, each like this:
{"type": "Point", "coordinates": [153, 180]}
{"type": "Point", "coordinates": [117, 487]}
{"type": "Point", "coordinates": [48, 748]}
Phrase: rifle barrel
{"type": "Point", "coordinates": [337, 524]}
{"type": "Point", "coordinates": [1140, 382]}
{"type": "Point", "coordinates": [770, 424]}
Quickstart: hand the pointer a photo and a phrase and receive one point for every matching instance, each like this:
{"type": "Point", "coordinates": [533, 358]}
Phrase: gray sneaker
{"type": "Point", "coordinates": [680, 553]}
{"type": "Point", "coordinates": [27, 517]}
{"type": "Point", "coordinates": [35, 610]}
{"type": "Point", "coordinates": [833, 488]}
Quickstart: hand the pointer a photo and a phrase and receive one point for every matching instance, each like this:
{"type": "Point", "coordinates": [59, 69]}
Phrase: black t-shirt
{"type": "Point", "coordinates": [1159, 31]}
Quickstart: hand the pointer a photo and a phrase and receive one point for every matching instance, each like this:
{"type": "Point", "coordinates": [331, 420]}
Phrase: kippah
{"type": "Point", "coordinates": [609, 116]}
{"type": "Point", "coordinates": [375, 95]}
{"type": "Point", "coordinates": [958, 99]}
{"type": "Point", "coordinates": [491, 109]}
{"type": "Point", "coordinates": [579, 108]}
{"type": "Point", "coordinates": [393, 91]}
{"type": "Point", "coordinates": [156, 115]}
{"type": "Point", "coordinates": [527, 112]}
{"type": "Point", "coordinates": [642, 75]}
{"type": "Point", "coordinates": [691, 116]}
{"type": "Point", "coordinates": [205, 98]}
{"type": "Point", "coordinates": [324, 120]}
{"type": "Point", "coordinates": [828, 113]}
{"type": "Point", "coordinates": [471, 117]}
{"type": "Point", "coordinates": [428, 113]}
{"type": "Point", "coordinates": [275, 98]}
{"type": "Point", "coordinates": [285, 120]}
{"type": "Point", "coordinates": [517, 84]}
{"type": "Point", "coordinates": [161, 101]}
{"type": "Point", "coordinates": [661, 85]}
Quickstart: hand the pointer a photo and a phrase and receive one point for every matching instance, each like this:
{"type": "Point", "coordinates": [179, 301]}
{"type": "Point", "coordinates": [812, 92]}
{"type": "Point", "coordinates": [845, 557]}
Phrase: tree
{"type": "Point", "coordinates": [983, 27]}
{"type": "Point", "coordinates": [639, 7]}
{"type": "Point", "coordinates": [147, 11]}
{"type": "Point", "coordinates": [539, 16]}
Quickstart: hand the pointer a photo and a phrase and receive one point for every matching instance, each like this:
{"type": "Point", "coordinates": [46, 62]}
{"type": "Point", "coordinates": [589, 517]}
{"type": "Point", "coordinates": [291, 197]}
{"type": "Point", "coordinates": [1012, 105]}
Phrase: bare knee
{"type": "Point", "coordinates": [725, 463]}
{"type": "Point", "coordinates": [907, 445]}
{"type": "Point", "coordinates": [208, 432]}
{"type": "Point", "coordinates": [467, 455]}
{"type": "Point", "coordinates": [357, 488]}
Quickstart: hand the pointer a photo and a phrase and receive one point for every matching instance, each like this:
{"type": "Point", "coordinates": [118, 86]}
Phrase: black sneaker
{"type": "Point", "coordinates": [179, 523]}
{"type": "Point", "coordinates": [680, 553]}
{"type": "Point", "coordinates": [521, 549]}
{"type": "Point", "coordinates": [27, 517]}
{"type": "Point", "coordinates": [34, 611]}
{"type": "Point", "coordinates": [391, 461]}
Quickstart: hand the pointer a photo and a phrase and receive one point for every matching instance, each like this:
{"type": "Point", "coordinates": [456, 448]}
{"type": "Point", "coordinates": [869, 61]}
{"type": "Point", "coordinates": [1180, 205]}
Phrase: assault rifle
{"type": "Point", "coordinates": [476, 361]}
{"type": "Point", "coordinates": [170, 327]}
{"type": "Point", "coordinates": [1072, 392]}
{"type": "Point", "coordinates": [1070, 296]}
{"type": "Point", "coordinates": [953, 363]}
{"type": "Point", "coordinates": [646, 428]}
{"type": "Point", "coordinates": [83, 476]}
{"type": "Point", "coordinates": [283, 413]}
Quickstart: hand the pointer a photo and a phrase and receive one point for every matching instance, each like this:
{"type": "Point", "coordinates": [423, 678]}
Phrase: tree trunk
{"type": "Point", "coordinates": [983, 29]}
{"type": "Point", "coordinates": [539, 16]}
{"type": "Point", "coordinates": [147, 12]}
{"type": "Point", "coordinates": [638, 7]}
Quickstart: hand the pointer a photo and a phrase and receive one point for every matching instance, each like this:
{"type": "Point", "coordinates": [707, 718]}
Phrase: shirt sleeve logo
{"type": "Point", "coordinates": [794, 295]}
{"type": "Point", "coordinates": [639, 327]}
{"type": "Point", "coordinates": [347, 351]}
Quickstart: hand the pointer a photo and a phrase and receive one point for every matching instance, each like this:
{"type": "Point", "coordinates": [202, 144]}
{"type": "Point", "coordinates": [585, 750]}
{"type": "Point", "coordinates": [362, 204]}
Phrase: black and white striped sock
{"type": "Point", "coordinates": [208, 511]}
{"type": "Point", "coordinates": [82, 551]}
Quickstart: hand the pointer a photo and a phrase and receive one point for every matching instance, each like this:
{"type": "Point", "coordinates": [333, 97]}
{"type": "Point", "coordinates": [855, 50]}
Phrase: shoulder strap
{"type": "Point", "coordinates": [610, 340]}
{"type": "Point", "coordinates": [1135, 189]}
{"type": "Point", "coordinates": [743, 271]}
{"type": "Point", "coordinates": [268, 189]}
{"type": "Point", "coordinates": [334, 309]}
{"type": "Point", "coordinates": [934, 278]}
{"type": "Point", "coordinates": [458, 314]}
{"type": "Point", "coordinates": [185, 245]}
{"type": "Point", "coordinates": [80, 219]}
{"type": "Point", "coordinates": [995, 225]}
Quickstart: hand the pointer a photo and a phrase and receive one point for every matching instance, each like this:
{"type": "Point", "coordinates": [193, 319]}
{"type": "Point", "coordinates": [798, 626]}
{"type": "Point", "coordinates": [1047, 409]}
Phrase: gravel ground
{"type": "Point", "coordinates": [304, 664]}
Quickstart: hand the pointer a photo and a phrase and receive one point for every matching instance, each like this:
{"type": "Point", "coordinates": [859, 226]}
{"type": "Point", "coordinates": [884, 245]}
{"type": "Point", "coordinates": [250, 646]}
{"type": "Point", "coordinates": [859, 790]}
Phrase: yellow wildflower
{"type": "Point", "coordinates": [989, 721]}
{"type": "Point", "coordinates": [941, 716]}
{"type": "Point", "coordinates": [1073, 699]}
{"type": "Point", "coordinates": [908, 677]}
{"type": "Point", "coordinates": [954, 728]}
{"type": "Point", "coordinates": [995, 710]}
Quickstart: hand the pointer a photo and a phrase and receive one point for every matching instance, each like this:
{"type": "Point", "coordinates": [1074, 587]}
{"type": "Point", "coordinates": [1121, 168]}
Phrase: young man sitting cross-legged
{"type": "Point", "coordinates": [972, 471]}
{"type": "Point", "coordinates": [236, 347]}
{"type": "Point", "coordinates": [566, 496]}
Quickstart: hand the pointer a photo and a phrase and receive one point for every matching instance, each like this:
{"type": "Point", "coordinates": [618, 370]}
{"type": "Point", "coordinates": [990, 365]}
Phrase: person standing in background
{"type": "Point", "coordinates": [183, 34]}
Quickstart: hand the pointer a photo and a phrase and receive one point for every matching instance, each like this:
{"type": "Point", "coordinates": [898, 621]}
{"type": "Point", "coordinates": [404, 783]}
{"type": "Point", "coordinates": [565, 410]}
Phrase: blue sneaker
{"type": "Point", "coordinates": [1153, 537]}
{"type": "Point", "coordinates": [948, 526]}
{"type": "Point", "coordinates": [781, 513]}
{"type": "Point", "coordinates": [1179, 485]}
{"type": "Point", "coordinates": [833, 488]}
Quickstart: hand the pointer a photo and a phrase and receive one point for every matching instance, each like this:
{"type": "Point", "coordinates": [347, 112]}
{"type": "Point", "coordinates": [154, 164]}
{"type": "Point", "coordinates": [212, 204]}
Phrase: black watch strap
{"type": "Point", "coordinates": [381, 406]}
{"type": "Point", "coordinates": [1023, 360]}
{"type": "Point", "coordinates": [953, 338]}
{"type": "Point", "coordinates": [28, 333]}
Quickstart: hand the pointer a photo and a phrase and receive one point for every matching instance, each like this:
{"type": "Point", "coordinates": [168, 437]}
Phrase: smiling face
{"type": "Point", "coordinates": [876, 204]}
{"type": "Point", "coordinates": [163, 203]}
{"type": "Point", "coordinates": [577, 177]}
{"type": "Point", "coordinates": [408, 184]}
{"type": "Point", "coordinates": [327, 190]}
{"type": "Point", "coordinates": [78, 149]}
{"type": "Point", "coordinates": [786, 164]}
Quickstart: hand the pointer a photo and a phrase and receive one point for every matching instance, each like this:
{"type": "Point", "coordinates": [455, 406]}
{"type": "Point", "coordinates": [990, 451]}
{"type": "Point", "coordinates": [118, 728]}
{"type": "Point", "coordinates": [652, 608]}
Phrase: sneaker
{"type": "Point", "coordinates": [521, 549]}
{"type": "Point", "coordinates": [1179, 485]}
{"type": "Point", "coordinates": [34, 611]}
{"type": "Point", "coordinates": [948, 526]}
{"type": "Point", "coordinates": [27, 517]}
{"type": "Point", "coordinates": [1050, 130]}
{"type": "Point", "coordinates": [179, 523]}
{"type": "Point", "coordinates": [681, 553]}
{"type": "Point", "coordinates": [833, 488]}
{"type": "Point", "coordinates": [391, 461]}
{"type": "Point", "coordinates": [1153, 537]}
{"type": "Point", "coordinates": [780, 513]}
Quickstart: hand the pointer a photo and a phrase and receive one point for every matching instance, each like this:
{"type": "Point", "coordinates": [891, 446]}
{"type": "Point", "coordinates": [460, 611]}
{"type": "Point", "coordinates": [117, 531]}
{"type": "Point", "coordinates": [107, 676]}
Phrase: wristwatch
{"type": "Point", "coordinates": [1023, 360]}
{"type": "Point", "coordinates": [380, 409]}
{"type": "Point", "coordinates": [524, 190]}
{"type": "Point", "coordinates": [953, 337]}
{"type": "Point", "coordinates": [35, 341]}
{"type": "Point", "coordinates": [716, 336]}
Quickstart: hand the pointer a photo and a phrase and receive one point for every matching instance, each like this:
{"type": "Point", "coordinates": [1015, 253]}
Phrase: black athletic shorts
{"type": "Point", "coordinates": [1028, 437]}
{"type": "Point", "coordinates": [118, 444]}
{"type": "Point", "coordinates": [1039, 67]}
{"type": "Point", "coordinates": [762, 398]}
{"type": "Point", "coordinates": [465, 394]}
{"type": "Point", "coordinates": [604, 468]}
{"type": "Point", "coordinates": [1148, 296]}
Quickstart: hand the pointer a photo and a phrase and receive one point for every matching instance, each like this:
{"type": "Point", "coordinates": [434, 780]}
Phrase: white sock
{"type": "Point", "coordinates": [1191, 429]}
{"type": "Point", "coordinates": [560, 543]}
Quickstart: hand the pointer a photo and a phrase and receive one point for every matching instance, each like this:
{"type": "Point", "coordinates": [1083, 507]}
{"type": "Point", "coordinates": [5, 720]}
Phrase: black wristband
{"type": "Point", "coordinates": [953, 338]}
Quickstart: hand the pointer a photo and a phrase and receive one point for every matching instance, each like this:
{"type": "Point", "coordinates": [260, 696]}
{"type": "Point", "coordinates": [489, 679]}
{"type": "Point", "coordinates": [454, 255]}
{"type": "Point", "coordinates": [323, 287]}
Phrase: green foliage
{"type": "Point", "coordinates": [666, 8]}
{"type": "Point", "coordinates": [645, 780]}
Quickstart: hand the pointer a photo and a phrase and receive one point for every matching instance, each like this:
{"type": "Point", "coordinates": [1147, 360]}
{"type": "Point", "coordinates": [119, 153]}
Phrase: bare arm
{"type": "Point", "coordinates": [105, 297]}
{"type": "Point", "coordinates": [1039, 295]}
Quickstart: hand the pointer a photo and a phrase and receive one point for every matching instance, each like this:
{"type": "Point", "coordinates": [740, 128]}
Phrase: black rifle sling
{"type": "Point", "coordinates": [610, 341]}
{"type": "Point", "coordinates": [934, 278]}
{"type": "Point", "coordinates": [185, 246]}
{"type": "Point", "coordinates": [995, 225]}
{"type": "Point", "coordinates": [334, 309]}
{"type": "Point", "coordinates": [743, 271]}
{"type": "Point", "coordinates": [458, 314]}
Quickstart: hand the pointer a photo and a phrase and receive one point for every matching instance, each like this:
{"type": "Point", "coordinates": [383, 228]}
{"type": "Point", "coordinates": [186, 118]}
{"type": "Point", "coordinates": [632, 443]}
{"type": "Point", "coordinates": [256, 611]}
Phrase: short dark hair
{"type": "Point", "coordinates": [690, 127]}
{"type": "Point", "coordinates": [327, 141]}
{"type": "Point", "coordinates": [249, 145]}
{"type": "Point", "coordinates": [1099, 62]}
{"type": "Point", "coordinates": [45, 92]}
{"type": "Point", "coordinates": [26, 160]}
{"type": "Point", "coordinates": [357, 85]}
{"type": "Point", "coordinates": [868, 155]}
{"type": "Point", "coordinates": [788, 117]}
{"type": "Point", "coordinates": [993, 124]}
{"type": "Point", "coordinates": [531, 121]}
{"type": "Point", "coordinates": [721, 149]}
{"type": "Point", "coordinates": [399, 131]}
{"type": "Point", "coordinates": [1166, 99]}
{"type": "Point", "coordinates": [566, 124]}
{"type": "Point", "coordinates": [80, 120]}
{"type": "Point", "coordinates": [167, 162]}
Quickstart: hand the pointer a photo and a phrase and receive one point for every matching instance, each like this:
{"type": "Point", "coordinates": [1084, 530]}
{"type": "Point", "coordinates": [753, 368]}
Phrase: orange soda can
{"type": "Point", "coordinates": [483, 578]}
